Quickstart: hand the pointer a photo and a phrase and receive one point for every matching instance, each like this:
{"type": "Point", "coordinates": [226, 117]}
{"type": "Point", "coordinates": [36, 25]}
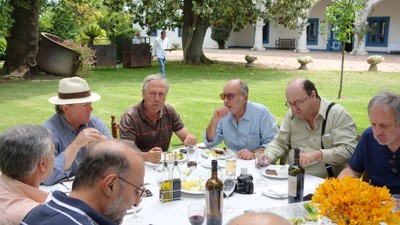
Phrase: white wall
{"type": "Point", "coordinates": [318, 11]}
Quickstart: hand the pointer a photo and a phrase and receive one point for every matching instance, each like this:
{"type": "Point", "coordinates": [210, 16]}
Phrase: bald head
{"type": "Point", "coordinates": [237, 84]}
{"type": "Point", "coordinates": [266, 218]}
{"type": "Point", "coordinates": [108, 156]}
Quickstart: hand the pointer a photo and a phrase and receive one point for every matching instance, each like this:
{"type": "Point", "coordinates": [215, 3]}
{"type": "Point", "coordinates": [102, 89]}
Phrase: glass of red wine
{"type": "Point", "coordinates": [196, 214]}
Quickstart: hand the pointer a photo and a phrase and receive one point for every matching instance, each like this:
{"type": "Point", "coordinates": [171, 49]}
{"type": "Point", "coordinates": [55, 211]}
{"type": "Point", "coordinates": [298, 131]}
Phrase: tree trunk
{"type": "Point", "coordinates": [22, 44]}
{"type": "Point", "coordinates": [193, 33]}
{"type": "Point", "coordinates": [341, 73]}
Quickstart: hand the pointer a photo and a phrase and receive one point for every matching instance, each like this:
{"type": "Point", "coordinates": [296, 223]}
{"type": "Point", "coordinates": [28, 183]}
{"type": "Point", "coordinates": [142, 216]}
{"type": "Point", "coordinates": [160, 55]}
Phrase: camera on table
{"type": "Point", "coordinates": [244, 184]}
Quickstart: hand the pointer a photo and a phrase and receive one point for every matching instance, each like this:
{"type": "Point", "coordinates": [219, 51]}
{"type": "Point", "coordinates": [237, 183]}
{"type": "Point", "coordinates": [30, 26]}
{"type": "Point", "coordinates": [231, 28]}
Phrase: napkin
{"type": "Point", "coordinates": [276, 190]}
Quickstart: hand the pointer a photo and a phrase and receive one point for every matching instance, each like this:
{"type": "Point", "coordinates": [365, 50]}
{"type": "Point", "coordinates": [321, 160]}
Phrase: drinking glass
{"type": "Point", "coordinates": [229, 186]}
{"type": "Point", "coordinates": [196, 214]}
{"type": "Point", "coordinates": [260, 165]}
{"type": "Point", "coordinates": [135, 218]}
{"type": "Point", "coordinates": [191, 154]}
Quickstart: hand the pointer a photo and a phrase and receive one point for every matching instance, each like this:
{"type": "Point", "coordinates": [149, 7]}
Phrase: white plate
{"type": "Point", "coordinates": [227, 155]}
{"type": "Point", "coordinates": [275, 192]}
{"type": "Point", "coordinates": [138, 208]}
{"type": "Point", "coordinates": [195, 192]}
{"type": "Point", "coordinates": [281, 170]}
{"type": "Point", "coordinates": [207, 164]}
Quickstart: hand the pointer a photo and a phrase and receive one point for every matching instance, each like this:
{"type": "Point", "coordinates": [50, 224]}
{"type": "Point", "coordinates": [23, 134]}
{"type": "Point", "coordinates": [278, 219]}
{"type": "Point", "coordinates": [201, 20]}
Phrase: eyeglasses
{"type": "Point", "coordinates": [393, 164]}
{"type": "Point", "coordinates": [297, 103]}
{"type": "Point", "coordinates": [141, 192]}
{"type": "Point", "coordinates": [229, 96]}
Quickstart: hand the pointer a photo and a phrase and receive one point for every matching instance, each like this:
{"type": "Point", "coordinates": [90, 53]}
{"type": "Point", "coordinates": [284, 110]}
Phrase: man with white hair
{"type": "Point", "coordinates": [26, 159]}
{"type": "Point", "coordinates": [73, 126]}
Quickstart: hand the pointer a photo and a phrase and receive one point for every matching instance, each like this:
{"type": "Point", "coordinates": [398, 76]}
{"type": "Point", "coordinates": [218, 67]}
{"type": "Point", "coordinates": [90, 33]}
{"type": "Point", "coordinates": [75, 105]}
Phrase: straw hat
{"type": "Point", "coordinates": [73, 90]}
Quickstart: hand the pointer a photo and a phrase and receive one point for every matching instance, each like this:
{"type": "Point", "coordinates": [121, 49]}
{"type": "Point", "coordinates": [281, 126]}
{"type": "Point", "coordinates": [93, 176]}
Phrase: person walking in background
{"type": "Point", "coordinates": [378, 150]}
{"type": "Point", "coordinates": [324, 150]}
{"type": "Point", "coordinates": [73, 127]}
{"type": "Point", "coordinates": [161, 45]}
{"type": "Point", "coordinates": [109, 181]}
{"type": "Point", "coordinates": [26, 159]}
{"type": "Point", "coordinates": [151, 123]}
{"type": "Point", "coordinates": [245, 127]}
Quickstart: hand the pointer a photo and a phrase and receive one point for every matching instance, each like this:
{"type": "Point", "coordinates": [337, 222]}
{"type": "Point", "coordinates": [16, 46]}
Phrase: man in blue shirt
{"type": "Point", "coordinates": [378, 151]}
{"type": "Point", "coordinates": [109, 181]}
{"type": "Point", "coordinates": [73, 127]}
{"type": "Point", "coordinates": [244, 126]}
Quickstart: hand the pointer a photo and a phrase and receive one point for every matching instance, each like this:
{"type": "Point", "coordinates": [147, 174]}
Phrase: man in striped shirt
{"type": "Point", "coordinates": [108, 182]}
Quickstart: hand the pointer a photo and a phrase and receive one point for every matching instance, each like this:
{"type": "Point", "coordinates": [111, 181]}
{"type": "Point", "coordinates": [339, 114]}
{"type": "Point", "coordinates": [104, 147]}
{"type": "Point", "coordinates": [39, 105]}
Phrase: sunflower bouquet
{"type": "Point", "coordinates": [349, 201]}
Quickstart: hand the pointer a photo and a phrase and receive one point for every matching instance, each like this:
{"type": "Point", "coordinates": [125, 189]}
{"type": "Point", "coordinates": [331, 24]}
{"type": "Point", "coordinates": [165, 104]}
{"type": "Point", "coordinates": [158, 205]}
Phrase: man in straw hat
{"type": "Point", "coordinates": [73, 126]}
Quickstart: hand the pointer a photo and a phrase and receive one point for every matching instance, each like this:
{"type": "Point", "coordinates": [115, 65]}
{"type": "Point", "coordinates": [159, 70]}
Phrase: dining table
{"type": "Point", "coordinates": [153, 211]}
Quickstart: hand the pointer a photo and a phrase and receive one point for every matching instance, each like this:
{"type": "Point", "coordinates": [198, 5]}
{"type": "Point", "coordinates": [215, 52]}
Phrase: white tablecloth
{"type": "Point", "coordinates": [156, 213]}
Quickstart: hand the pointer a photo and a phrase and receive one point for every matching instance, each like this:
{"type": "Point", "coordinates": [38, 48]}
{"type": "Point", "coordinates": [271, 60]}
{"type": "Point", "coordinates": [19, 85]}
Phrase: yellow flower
{"type": "Point", "coordinates": [349, 201]}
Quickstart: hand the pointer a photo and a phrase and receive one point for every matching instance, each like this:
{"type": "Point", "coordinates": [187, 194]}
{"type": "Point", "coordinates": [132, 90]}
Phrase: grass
{"type": "Point", "coordinates": [193, 92]}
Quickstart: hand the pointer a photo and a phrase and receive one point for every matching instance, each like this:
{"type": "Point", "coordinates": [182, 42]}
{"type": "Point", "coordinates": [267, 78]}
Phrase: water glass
{"type": "Point", "coordinates": [191, 154]}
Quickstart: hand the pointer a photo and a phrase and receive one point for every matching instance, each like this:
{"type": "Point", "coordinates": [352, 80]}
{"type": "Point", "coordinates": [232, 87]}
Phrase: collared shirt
{"type": "Point", "coordinates": [17, 199]}
{"type": "Point", "coordinates": [64, 210]}
{"type": "Point", "coordinates": [373, 157]}
{"type": "Point", "coordinates": [339, 139]}
{"type": "Point", "coordinates": [137, 127]}
{"type": "Point", "coordinates": [256, 128]}
{"type": "Point", "coordinates": [63, 134]}
{"type": "Point", "coordinates": [159, 46]}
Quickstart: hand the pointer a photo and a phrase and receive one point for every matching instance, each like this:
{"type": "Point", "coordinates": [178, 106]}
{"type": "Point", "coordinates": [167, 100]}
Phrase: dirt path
{"type": "Point", "coordinates": [287, 59]}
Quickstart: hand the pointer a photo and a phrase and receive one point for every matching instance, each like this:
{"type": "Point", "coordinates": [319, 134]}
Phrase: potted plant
{"type": "Point", "coordinates": [304, 60]}
{"type": "Point", "coordinates": [374, 60]}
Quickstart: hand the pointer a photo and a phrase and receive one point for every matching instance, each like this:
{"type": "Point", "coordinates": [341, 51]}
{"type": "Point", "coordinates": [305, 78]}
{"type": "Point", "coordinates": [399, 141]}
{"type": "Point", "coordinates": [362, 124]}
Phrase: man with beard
{"type": "Point", "coordinates": [245, 127]}
{"type": "Point", "coordinates": [324, 132]}
{"type": "Point", "coordinates": [378, 151]}
{"type": "Point", "coordinates": [108, 182]}
{"type": "Point", "coordinates": [151, 123]}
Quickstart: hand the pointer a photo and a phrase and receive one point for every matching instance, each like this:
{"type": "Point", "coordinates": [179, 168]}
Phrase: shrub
{"type": "Point", "coordinates": [220, 35]}
{"type": "Point", "coordinates": [87, 55]}
{"type": "Point", "coordinates": [3, 45]}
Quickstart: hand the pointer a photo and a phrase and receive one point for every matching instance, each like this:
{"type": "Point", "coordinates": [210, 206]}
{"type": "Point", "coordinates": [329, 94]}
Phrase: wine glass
{"type": "Point", "coordinates": [260, 165]}
{"type": "Point", "coordinates": [135, 218]}
{"type": "Point", "coordinates": [196, 214]}
{"type": "Point", "coordinates": [228, 187]}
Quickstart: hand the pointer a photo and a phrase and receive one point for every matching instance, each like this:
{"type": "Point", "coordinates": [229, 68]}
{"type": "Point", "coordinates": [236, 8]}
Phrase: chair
{"type": "Point", "coordinates": [114, 128]}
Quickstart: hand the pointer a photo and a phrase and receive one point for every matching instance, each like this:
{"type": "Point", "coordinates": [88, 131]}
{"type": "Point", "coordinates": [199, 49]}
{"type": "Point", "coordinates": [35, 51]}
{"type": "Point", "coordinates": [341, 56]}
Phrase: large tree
{"type": "Point", "coordinates": [22, 42]}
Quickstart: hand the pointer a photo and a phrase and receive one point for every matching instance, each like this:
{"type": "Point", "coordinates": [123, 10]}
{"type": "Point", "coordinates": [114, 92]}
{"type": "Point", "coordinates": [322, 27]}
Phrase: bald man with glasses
{"type": "Point", "coordinates": [108, 182]}
{"type": "Point", "coordinates": [245, 127]}
{"type": "Point", "coordinates": [324, 131]}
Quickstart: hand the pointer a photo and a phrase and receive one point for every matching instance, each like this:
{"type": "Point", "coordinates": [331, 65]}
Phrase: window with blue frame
{"type": "Point", "coordinates": [312, 31]}
{"type": "Point", "coordinates": [378, 31]}
{"type": "Point", "coordinates": [266, 33]}
{"type": "Point", "coordinates": [179, 32]}
{"type": "Point", "coordinates": [153, 33]}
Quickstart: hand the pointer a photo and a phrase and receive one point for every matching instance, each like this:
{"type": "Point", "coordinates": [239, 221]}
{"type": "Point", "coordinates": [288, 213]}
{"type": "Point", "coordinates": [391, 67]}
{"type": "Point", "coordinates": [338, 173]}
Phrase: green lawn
{"type": "Point", "coordinates": [193, 91]}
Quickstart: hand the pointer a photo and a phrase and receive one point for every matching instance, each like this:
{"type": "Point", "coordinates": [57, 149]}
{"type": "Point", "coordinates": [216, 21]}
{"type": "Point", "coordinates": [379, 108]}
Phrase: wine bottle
{"type": "Point", "coordinates": [296, 179]}
{"type": "Point", "coordinates": [214, 196]}
{"type": "Point", "coordinates": [166, 184]}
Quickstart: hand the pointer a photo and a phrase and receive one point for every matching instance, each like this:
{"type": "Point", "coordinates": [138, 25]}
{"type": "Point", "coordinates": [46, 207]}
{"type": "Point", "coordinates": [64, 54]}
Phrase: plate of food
{"type": "Point", "coordinates": [276, 171]}
{"type": "Point", "coordinates": [192, 186]}
{"type": "Point", "coordinates": [207, 163]}
{"type": "Point", "coordinates": [218, 153]}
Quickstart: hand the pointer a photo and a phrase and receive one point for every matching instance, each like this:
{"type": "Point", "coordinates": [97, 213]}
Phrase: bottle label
{"type": "Point", "coordinates": [292, 185]}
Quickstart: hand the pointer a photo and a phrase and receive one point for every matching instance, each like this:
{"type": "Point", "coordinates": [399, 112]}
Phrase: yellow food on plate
{"type": "Point", "coordinates": [217, 152]}
{"type": "Point", "coordinates": [191, 185]}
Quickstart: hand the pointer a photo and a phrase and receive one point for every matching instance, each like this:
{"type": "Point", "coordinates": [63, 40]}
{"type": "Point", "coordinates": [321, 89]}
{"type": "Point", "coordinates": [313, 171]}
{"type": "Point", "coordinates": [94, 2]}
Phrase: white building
{"type": "Point", "coordinates": [381, 15]}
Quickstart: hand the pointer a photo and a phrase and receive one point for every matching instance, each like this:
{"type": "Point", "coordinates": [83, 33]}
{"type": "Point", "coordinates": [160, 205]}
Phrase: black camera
{"type": "Point", "coordinates": [244, 184]}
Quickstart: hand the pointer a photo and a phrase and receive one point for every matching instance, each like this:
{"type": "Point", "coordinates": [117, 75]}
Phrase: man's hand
{"type": "Point", "coordinates": [153, 155]}
{"type": "Point", "coordinates": [309, 158]}
{"type": "Point", "coordinates": [190, 140]}
{"type": "Point", "coordinates": [245, 154]}
{"type": "Point", "coordinates": [220, 113]}
{"type": "Point", "coordinates": [88, 136]}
